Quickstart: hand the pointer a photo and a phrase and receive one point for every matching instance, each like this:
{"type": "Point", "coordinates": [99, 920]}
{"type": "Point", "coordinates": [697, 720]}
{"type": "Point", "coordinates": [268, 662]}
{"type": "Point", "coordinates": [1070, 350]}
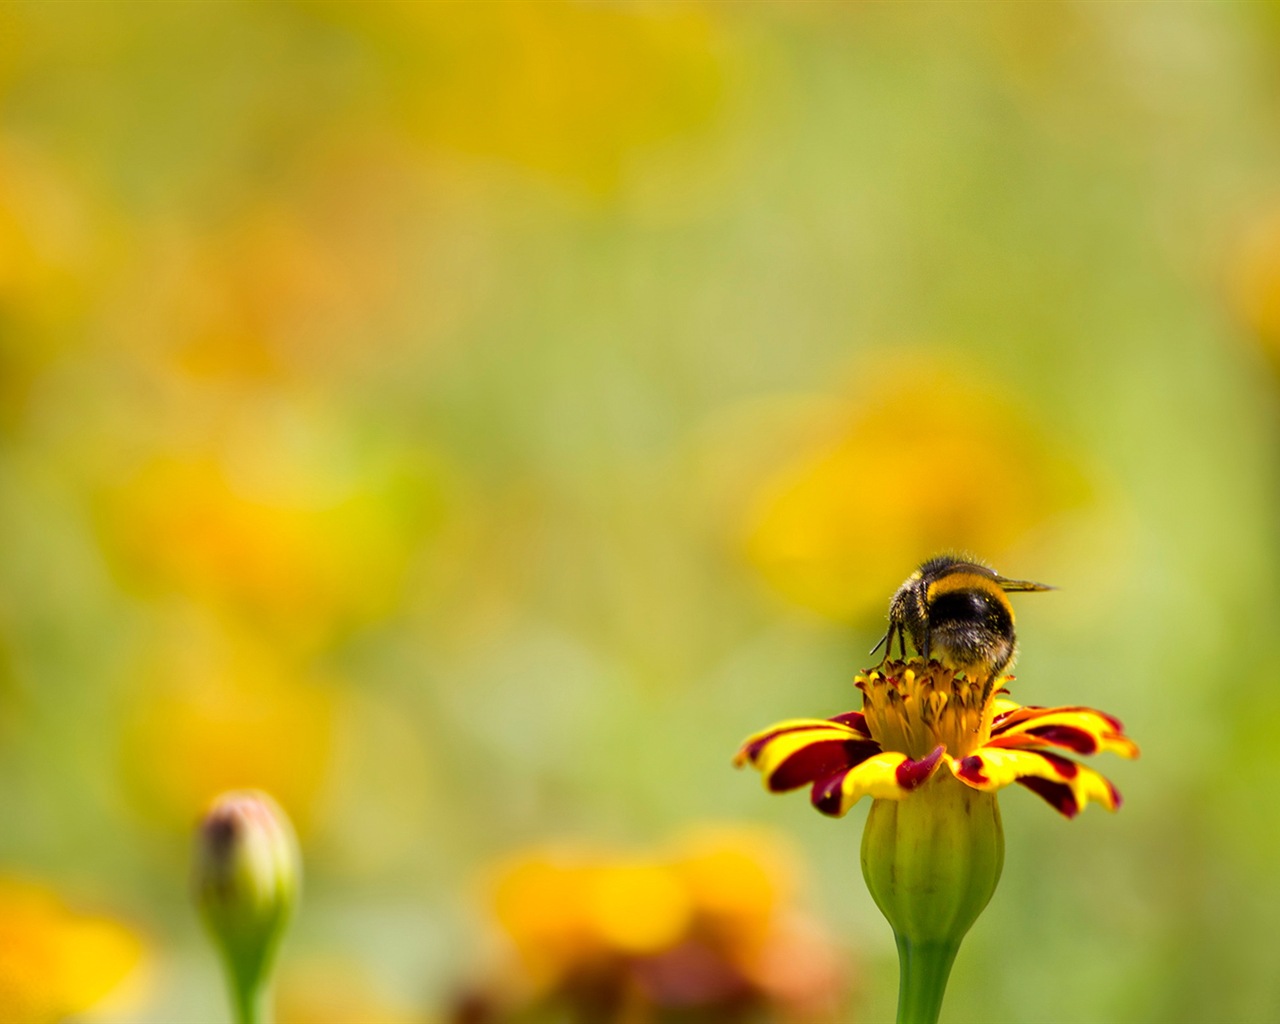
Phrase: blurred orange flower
{"type": "Point", "coordinates": [55, 962]}
{"type": "Point", "coordinates": [707, 928]}
{"type": "Point", "coordinates": [981, 478]}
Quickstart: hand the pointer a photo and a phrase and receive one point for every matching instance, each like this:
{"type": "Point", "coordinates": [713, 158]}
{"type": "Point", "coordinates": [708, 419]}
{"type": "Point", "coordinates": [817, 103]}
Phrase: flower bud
{"type": "Point", "coordinates": [932, 863]}
{"type": "Point", "coordinates": [247, 877]}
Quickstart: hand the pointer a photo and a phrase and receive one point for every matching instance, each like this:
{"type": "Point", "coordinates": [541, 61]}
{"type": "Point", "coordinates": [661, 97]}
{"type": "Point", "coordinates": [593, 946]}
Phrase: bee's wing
{"type": "Point", "coordinates": [1021, 585]}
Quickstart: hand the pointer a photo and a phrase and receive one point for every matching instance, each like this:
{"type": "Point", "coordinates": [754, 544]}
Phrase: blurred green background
{"type": "Point", "coordinates": [468, 422]}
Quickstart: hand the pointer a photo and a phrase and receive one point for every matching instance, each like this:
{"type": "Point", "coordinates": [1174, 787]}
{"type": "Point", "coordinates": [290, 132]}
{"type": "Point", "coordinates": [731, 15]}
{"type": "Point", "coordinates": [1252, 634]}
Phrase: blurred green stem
{"type": "Point", "coordinates": [248, 1002]}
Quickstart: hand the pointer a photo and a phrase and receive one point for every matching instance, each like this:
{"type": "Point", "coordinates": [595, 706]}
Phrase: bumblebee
{"type": "Point", "coordinates": [955, 610]}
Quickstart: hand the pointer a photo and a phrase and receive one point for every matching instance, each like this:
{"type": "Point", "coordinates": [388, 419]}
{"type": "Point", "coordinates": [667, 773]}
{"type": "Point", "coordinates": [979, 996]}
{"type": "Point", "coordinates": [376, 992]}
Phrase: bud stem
{"type": "Point", "coordinates": [247, 1000]}
{"type": "Point", "coordinates": [922, 979]}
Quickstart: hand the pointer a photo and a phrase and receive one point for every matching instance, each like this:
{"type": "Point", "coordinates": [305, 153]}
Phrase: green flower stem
{"type": "Point", "coordinates": [247, 984]}
{"type": "Point", "coordinates": [932, 862]}
{"type": "Point", "coordinates": [922, 979]}
{"type": "Point", "coordinates": [248, 1002]}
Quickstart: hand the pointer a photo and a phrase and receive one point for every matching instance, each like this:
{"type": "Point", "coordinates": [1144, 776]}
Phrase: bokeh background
{"type": "Point", "coordinates": [467, 422]}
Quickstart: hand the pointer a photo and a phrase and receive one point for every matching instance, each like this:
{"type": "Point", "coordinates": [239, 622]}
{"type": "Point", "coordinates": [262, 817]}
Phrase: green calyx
{"type": "Point", "coordinates": [932, 862]}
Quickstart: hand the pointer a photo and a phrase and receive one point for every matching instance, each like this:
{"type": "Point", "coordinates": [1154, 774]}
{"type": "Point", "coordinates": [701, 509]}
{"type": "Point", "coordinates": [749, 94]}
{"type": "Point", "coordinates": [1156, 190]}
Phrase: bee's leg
{"type": "Point", "coordinates": [992, 675]}
{"type": "Point", "coordinates": [888, 650]}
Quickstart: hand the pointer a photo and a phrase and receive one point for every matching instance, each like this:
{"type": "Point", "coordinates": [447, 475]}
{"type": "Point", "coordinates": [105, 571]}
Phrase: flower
{"type": "Point", "coordinates": [56, 962]}
{"type": "Point", "coordinates": [918, 718]}
{"type": "Point", "coordinates": [933, 848]}
{"type": "Point", "coordinates": [247, 876]}
{"type": "Point", "coordinates": [706, 930]}
{"type": "Point", "coordinates": [995, 479]}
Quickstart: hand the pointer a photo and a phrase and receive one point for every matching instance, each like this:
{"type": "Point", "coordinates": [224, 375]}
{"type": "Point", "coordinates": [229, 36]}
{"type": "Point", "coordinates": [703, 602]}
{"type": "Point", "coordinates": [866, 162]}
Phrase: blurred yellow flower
{"type": "Point", "coordinates": [563, 912]}
{"type": "Point", "coordinates": [740, 882]}
{"type": "Point", "coordinates": [303, 288]}
{"type": "Point", "coordinates": [45, 238]}
{"type": "Point", "coordinates": [283, 541]}
{"type": "Point", "coordinates": [637, 908]}
{"type": "Point", "coordinates": [705, 927]}
{"type": "Point", "coordinates": [55, 962]}
{"type": "Point", "coordinates": [216, 710]}
{"type": "Point", "coordinates": [981, 476]}
{"type": "Point", "coordinates": [567, 89]}
{"type": "Point", "coordinates": [46, 256]}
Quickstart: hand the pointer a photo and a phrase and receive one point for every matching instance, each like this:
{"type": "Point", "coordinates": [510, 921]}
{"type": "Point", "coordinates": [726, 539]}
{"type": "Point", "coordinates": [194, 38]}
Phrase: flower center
{"type": "Point", "coordinates": [913, 708]}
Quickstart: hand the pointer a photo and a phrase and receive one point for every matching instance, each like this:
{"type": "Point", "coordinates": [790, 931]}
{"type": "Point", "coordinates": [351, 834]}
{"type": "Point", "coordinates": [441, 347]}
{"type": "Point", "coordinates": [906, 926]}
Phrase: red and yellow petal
{"type": "Point", "coordinates": [805, 750]}
{"type": "Point", "coordinates": [885, 776]}
{"type": "Point", "coordinates": [852, 722]}
{"type": "Point", "coordinates": [1068, 787]}
{"type": "Point", "coordinates": [1077, 729]}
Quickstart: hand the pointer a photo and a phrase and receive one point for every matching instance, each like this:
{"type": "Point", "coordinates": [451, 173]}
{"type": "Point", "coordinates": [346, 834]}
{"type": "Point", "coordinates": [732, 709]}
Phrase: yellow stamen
{"type": "Point", "coordinates": [913, 708]}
